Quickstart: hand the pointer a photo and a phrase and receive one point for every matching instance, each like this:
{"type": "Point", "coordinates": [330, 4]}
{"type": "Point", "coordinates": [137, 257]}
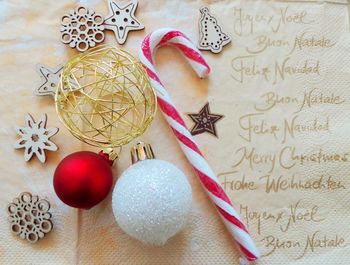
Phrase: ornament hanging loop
{"type": "Point", "coordinates": [110, 154]}
{"type": "Point", "coordinates": [141, 151]}
{"type": "Point", "coordinates": [204, 10]}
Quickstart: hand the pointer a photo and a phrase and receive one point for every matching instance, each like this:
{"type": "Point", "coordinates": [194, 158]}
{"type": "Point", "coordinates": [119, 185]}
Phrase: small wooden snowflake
{"type": "Point", "coordinates": [35, 138]}
{"type": "Point", "coordinates": [29, 217]}
{"type": "Point", "coordinates": [82, 28]}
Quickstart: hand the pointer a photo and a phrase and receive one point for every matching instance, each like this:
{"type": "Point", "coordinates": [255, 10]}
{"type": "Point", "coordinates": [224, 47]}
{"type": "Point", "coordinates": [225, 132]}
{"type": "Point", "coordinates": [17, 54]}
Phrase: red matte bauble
{"type": "Point", "coordinates": [83, 179]}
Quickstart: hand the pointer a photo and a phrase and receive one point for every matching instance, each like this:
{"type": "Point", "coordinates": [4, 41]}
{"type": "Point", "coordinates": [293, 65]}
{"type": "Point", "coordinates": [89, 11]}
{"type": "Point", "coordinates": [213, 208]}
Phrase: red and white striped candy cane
{"type": "Point", "coordinates": [207, 177]}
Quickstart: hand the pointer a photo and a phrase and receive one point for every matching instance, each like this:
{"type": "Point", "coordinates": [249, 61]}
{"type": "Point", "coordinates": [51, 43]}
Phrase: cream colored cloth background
{"type": "Point", "coordinates": [29, 34]}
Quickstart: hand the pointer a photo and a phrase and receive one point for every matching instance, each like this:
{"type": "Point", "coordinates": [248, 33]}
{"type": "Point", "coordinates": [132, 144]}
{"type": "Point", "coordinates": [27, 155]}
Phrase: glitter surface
{"type": "Point", "coordinates": [152, 201]}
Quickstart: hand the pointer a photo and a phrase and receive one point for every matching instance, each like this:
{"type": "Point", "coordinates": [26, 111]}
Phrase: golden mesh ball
{"type": "Point", "coordinates": [105, 97]}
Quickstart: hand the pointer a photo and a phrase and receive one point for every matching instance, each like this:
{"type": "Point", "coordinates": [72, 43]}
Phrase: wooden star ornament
{"type": "Point", "coordinates": [121, 19]}
{"type": "Point", "coordinates": [204, 121]}
{"type": "Point", "coordinates": [50, 79]}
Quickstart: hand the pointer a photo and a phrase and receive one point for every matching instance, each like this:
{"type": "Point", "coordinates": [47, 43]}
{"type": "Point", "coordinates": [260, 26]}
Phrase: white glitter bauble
{"type": "Point", "coordinates": [152, 201]}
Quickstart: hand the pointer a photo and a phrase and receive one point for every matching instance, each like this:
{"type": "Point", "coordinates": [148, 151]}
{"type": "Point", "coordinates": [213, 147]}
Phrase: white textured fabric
{"type": "Point", "coordinates": [29, 34]}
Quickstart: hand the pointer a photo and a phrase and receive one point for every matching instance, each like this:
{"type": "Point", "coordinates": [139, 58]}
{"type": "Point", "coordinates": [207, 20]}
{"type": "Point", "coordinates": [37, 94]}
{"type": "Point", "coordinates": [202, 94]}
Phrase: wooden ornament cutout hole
{"type": "Point", "coordinates": [15, 228]}
{"type": "Point", "coordinates": [66, 37]}
{"type": "Point", "coordinates": [46, 226]}
{"type": "Point", "coordinates": [82, 46]}
{"type": "Point", "coordinates": [43, 206]}
{"type": "Point", "coordinates": [81, 10]}
{"type": "Point", "coordinates": [33, 238]}
{"type": "Point", "coordinates": [65, 20]}
{"type": "Point", "coordinates": [99, 37]}
{"type": "Point", "coordinates": [82, 28]}
{"type": "Point", "coordinates": [26, 197]}
{"type": "Point", "coordinates": [28, 217]}
{"type": "Point", "coordinates": [11, 208]}
{"type": "Point", "coordinates": [35, 138]}
{"type": "Point", "coordinates": [98, 19]}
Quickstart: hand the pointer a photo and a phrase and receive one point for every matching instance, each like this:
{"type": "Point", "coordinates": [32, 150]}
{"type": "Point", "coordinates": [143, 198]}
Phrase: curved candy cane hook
{"type": "Point", "coordinates": [207, 177]}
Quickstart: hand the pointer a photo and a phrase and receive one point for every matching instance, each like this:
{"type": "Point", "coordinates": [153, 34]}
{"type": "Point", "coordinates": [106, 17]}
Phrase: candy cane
{"type": "Point", "coordinates": [207, 177]}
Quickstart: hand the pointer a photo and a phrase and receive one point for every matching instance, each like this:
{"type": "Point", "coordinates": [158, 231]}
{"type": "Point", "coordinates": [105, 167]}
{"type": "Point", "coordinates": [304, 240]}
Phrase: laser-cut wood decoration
{"type": "Point", "coordinates": [29, 217]}
{"type": "Point", "coordinates": [211, 35]}
{"type": "Point", "coordinates": [121, 19]}
{"type": "Point", "coordinates": [50, 79]}
{"type": "Point", "coordinates": [82, 28]}
{"type": "Point", "coordinates": [35, 138]}
{"type": "Point", "coordinates": [204, 121]}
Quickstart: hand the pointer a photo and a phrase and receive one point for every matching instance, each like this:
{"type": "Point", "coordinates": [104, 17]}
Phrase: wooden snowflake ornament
{"type": "Point", "coordinates": [29, 217]}
{"type": "Point", "coordinates": [122, 20]}
{"type": "Point", "coordinates": [50, 79]}
{"type": "Point", "coordinates": [82, 28]}
{"type": "Point", "coordinates": [211, 35]}
{"type": "Point", "coordinates": [35, 138]}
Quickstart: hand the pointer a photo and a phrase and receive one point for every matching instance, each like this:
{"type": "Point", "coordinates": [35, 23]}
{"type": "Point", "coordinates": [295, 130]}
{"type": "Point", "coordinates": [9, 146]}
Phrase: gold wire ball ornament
{"type": "Point", "coordinates": [105, 97]}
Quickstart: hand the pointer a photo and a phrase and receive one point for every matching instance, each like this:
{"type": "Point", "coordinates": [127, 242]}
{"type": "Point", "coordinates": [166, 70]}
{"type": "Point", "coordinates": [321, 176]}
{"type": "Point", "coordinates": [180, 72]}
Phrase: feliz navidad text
{"type": "Point", "coordinates": [249, 65]}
